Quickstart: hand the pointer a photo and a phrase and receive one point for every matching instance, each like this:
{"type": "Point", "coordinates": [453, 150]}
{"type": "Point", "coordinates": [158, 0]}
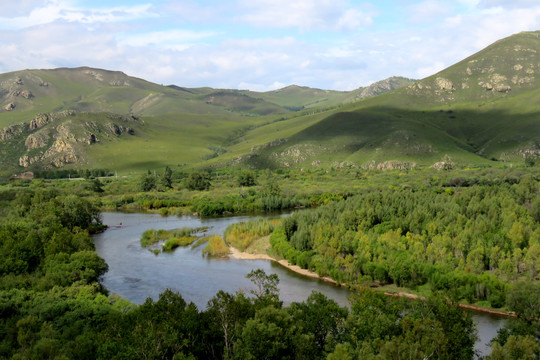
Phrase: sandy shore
{"type": "Point", "coordinates": [237, 254]}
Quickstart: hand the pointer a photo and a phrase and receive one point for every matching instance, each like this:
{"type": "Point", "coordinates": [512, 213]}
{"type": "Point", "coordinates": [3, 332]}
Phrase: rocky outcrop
{"type": "Point", "coordinates": [444, 84]}
{"type": "Point", "coordinates": [496, 82]}
{"type": "Point", "coordinates": [114, 129]}
{"type": "Point", "coordinates": [24, 93]}
{"type": "Point", "coordinates": [380, 87]}
{"type": "Point", "coordinates": [25, 161]}
{"type": "Point", "coordinates": [61, 114]}
{"type": "Point", "coordinates": [63, 159]}
{"type": "Point", "coordinates": [94, 74]}
{"type": "Point", "coordinates": [445, 164]}
{"type": "Point", "coordinates": [60, 153]}
{"type": "Point", "coordinates": [38, 121]}
{"type": "Point", "coordinates": [344, 165]}
{"type": "Point", "coordinates": [9, 107]}
{"type": "Point", "coordinates": [35, 141]}
{"type": "Point", "coordinates": [10, 132]}
{"type": "Point", "coordinates": [119, 129]}
{"type": "Point", "coordinates": [390, 165]}
{"type": "Point", "coordinates": [119, 83]}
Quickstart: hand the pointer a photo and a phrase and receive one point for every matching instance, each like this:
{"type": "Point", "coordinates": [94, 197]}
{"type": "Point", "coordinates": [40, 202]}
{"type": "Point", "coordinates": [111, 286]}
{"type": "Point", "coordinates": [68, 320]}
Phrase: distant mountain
{"type": "Point", "coordinates": [483, 109]}
{"type": "Point", "coordinates": [296, 97]}
{"type": "Point", "coordinates": [85, 117]}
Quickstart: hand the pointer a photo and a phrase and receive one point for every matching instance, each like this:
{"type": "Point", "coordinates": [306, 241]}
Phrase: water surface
{"type": "Point", "coordinates": [136, 274]}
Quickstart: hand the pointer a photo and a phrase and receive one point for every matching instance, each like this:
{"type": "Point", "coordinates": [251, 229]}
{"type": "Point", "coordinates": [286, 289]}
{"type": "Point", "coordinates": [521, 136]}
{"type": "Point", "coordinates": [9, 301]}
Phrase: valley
{"type": "Point", "coordinates": [120, 200]}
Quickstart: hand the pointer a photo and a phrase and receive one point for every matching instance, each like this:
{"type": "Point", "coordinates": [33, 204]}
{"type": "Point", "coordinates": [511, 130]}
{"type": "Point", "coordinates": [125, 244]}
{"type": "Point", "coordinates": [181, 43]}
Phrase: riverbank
{"type": "Point", "coordinates": [237, 254]}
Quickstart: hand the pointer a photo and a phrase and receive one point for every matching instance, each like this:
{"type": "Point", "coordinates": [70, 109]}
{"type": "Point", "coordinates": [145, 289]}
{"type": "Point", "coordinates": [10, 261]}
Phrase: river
{"type": "Point", "coordinates": [136, 273]}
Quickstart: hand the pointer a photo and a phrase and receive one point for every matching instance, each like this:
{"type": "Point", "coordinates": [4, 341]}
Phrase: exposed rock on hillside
{"type": "Point", "coordinates": [62, 151]}
{"type": "Point", "coordinates": [383, 86]}
{"type": "Point", "coordinates": [10, 132]}
{"type": "Point", "coordinates": [38, 121]}
{"type": "Point", "coordinates": [390, 165]}
{"type": "Point", "coordinates": [344, 165]}
{"type": "Point", "coordinates": [445, 164]}
{"type": "Point", "coordinates": [94, 74]}
{"type": "Point", "coordinates": [119, 129]}
{"type": "Point", "coordinates": [25, 161]}
{"type": "Point", "coordinates": [444, 84]}
{"type": "Point", "coordinates": [35, 141]}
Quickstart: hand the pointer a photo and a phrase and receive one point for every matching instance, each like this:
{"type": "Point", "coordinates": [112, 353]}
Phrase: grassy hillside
{"type": "Point", "coordinates": [483, 110]}
{"type": "Point", "coordinates": [84, 117]}
{"type": "Point", "coordinates": [480, 111]}
{"type": "Point", "coordinates": [296, 97]}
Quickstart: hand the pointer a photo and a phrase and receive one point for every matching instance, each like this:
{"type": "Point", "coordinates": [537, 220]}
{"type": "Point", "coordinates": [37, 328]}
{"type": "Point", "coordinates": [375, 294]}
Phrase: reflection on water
{"type": "Point", "coordinates": [136, 273]}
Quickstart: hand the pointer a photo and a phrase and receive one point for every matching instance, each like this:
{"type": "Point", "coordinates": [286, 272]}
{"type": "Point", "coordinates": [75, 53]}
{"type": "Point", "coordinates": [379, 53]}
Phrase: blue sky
{"type": "Point", "coordinates": [257, 44]}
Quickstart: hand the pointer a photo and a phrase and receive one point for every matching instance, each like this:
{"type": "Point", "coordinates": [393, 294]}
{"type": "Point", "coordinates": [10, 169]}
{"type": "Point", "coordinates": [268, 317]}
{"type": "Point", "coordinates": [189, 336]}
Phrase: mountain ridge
{"type": "Point", "coordinates": [481, 110]}
{"type": "Point", "coordinates": [94, 98]}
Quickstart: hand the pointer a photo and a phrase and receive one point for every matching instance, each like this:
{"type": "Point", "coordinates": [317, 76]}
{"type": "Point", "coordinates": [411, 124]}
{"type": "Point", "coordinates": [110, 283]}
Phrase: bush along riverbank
{"type": "Point", "coordinates": [53, 305]}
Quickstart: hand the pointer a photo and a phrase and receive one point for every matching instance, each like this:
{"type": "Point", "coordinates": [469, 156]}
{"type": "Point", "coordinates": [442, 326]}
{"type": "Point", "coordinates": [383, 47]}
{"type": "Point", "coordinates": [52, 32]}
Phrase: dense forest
{"type": "Point", "coordinates": [472, 241]}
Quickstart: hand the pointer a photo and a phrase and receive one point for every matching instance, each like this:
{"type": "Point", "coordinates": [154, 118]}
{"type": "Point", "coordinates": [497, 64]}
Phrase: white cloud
{"type": "Point", "coordinates": [509, 4]}
{"type": "Point", "coordinates": [303, 14]}
{"type": "Point", "coordinates": [267, 56]}
{"type": "Point", "coordinates": [352, 19]}
{"type": "Point", "coordinates": [58, 10]}
{"type": "Point", "coordinates": [261, 87]}
{"type": "Point", "coordinates": [428, 11]}
{"type": "Point", "coordinates": [430, 70]}
{"type": "Point", "coordinates": [171, 39]}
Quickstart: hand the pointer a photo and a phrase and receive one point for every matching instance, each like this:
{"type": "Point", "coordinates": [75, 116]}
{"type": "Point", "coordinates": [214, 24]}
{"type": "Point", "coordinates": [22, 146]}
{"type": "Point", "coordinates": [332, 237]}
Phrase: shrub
{"type": "Point", "coordinates": [216, 247]}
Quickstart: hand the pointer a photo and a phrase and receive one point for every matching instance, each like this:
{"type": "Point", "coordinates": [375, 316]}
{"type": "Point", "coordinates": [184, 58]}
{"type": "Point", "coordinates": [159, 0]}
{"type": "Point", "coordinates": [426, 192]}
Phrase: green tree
{"type": "Point", "coordinates": [271, 334]}
{"type": "Point", "coordinates": [198, 181]}
{"type": "Point", "coordinates": [516, 348]}
{"type": "Point", "coordinates": [266, 289]}
{"type": "Point", "coordinates": [166, 178]}
{"type": "Point", "coordinates": [323, 318]}
{"type": "Point", "coordinates": [270, 185]}
{"type": "Point", "coordinates": [246, 178]}
{"type": "Point", "coordinates": [96, 186]}
{"type": "Point", "coordinates": [148, 181]}
{"type": "Point", "coordinates": [530, 161]}
{"type": "Point", "coordinates": [230, 312]}
{"type": "Point", "coordinates": [524, 299]}
{"type": "Point", "coordinates": [78, 212]}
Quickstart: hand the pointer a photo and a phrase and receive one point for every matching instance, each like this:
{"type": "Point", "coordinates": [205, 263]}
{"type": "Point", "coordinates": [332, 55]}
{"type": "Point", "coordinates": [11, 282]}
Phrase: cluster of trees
{"type": "Point", "coordinates": [471, 241]}
{"type": "Point", "coordinates": [149, 181]}
{"type": "Point", "coordinates": [53, 306]}
{"type": "Point", "coordinates": [195, 180]}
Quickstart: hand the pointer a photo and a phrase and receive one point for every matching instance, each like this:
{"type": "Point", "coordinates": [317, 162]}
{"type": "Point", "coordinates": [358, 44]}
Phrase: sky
{"type": "Point", "coordinates": [257, 44]}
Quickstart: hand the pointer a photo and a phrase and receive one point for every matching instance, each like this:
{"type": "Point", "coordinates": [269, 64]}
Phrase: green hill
{"type": "Point", "coordinates": [480, 111]}
{"type": "Point", "coordinates": [84, 117]}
